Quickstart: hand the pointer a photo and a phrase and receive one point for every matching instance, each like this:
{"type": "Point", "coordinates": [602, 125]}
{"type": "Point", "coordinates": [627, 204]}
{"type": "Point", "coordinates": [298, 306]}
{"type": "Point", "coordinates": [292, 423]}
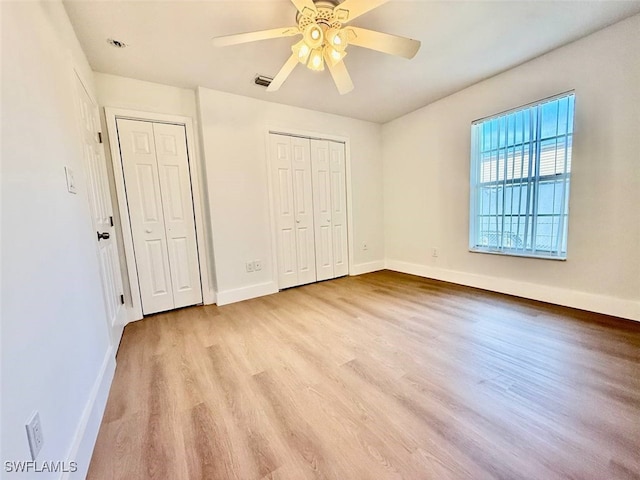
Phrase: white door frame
{"type": "Point", "coordinates": [111, 115]}
{"type": "Point", "coordinates": [296, 132]}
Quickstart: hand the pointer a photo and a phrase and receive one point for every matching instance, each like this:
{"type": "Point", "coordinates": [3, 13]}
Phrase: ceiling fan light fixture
{"type": "Point", "coordinates": [302, 51]}
{"type": "Point", "coordinates": [333, 56]}
{"type": "Point", "coordinates": [313, 36]}
{"type": "Point", "coordinates": [316, 60]}
{"type": "Point", "coordinates": [337, 38]}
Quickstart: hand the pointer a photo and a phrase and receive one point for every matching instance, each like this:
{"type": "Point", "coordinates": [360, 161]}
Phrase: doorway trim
{"type": "Point", "coordinates": [111, 116]}
{"type": "Point", "coordinates": [312, 135]}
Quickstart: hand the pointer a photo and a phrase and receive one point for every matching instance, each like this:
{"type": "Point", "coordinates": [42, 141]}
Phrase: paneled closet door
{"type": "Point", "coordinates": [179, 222]}
{"type": "Point", "coordinates": [293, 203]}
{"type": "Point", "coordinates": [321, 172]}
{"type": "Point", "coordinates": [303, 201]}
{"type": "Point", "coordinates": [339, 209]}
{"type": "Point", "coordinates": [140, 166]}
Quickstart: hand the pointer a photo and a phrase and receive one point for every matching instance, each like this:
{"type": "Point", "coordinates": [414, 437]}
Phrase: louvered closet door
{"type": "Point", "coordinates": [339, 209]}
{"type": "Point", "coordinates": [140, 165]}
{"type": "Point", "coordinates": [321, 173]}
{"type": "Point", "coordinates": [293, 203]}
{"type": "Point", "coordinates": [179, 222]}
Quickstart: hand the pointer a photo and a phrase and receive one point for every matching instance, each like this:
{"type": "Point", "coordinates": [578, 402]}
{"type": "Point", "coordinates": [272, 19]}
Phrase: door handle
{"type": "Point", "coordinates": [103, 236]}
{"type": "Point", "coordinates": [147, 230]}
{"type": "Point", "coordinates": [297, 221]}
{"type": "Point", "coordinates": [328, 220]}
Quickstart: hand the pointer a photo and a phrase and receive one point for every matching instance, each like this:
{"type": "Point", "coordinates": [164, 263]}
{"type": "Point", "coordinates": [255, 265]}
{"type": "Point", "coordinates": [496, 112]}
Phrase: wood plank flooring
{"type": "Point", "coordinates": [379, 376]}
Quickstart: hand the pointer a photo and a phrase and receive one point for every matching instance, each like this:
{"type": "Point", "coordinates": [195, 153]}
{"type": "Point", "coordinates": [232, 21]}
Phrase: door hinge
{"type": "Point", "coordinates": [111, 220]}
{"type": "Point", "coordinates": [99, 137]}
{"type": "Point", "coordinates": [122, 299]}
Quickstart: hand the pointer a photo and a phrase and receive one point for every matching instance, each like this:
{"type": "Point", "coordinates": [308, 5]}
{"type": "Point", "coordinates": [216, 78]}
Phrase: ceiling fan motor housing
{"type": "Point", "coordinates": [325, 16]}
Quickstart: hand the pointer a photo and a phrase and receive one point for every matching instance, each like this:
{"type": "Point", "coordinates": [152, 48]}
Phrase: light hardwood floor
{"type": "Point", "coordinates": [379, 376]}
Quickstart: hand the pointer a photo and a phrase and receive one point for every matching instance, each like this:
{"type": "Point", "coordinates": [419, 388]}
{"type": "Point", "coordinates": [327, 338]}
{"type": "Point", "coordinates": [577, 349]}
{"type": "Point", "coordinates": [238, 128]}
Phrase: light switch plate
{"type": "Point", "coordinates": [71, 181]}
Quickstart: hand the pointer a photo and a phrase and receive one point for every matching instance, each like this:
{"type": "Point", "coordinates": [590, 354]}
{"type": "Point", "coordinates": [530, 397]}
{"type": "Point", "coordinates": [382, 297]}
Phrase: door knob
{"type": "Point", "coordinates": [297, 221]}
{"type": "Point", "coordinates": [328, 220]}
{"type": "Point", "coordinates": [103, 236]}
{"type": "Point", "coordinates": [147, 230]}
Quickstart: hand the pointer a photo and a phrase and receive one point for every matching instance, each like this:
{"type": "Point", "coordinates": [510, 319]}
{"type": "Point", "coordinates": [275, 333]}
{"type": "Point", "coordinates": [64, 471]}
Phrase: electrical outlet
{"type": "Point", "coordinates": [434, 252]}
{"type": "Point", "coordinates": [257, 265]}
{"type": "Point", "coordinates": [250, 267]}
{"type": "Point", "coordinates": [365, 246]}
{"type": "Point", "coordinates": [34, 435]}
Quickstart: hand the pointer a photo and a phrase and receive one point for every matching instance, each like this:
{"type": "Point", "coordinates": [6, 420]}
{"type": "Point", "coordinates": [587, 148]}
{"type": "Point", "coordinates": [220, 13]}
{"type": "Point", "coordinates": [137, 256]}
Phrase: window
{"type": "Point", "coordinates": [520, 176]}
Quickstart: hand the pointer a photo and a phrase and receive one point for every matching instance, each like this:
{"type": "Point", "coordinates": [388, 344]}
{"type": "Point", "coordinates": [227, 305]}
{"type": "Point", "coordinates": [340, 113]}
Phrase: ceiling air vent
{"type": "Point", "coordinates": [116, 43]}
{"type": "Point", "coordinates": [263, 81]}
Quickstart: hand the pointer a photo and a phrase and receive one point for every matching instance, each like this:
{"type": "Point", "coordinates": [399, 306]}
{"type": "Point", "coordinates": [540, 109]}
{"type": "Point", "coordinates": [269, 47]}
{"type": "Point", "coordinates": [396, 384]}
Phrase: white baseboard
{"type": "Point", "coordinates": [618, 307]}
{"type": "Point", "coordinates": [87, 430]}
{"type": "Point", "coordinates": [368, 267]}
{"type": "Point", "coordinates": [245, 293]}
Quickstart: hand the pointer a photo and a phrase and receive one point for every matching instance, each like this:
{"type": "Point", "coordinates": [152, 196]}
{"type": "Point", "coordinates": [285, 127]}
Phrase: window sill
{"type": "Point", "coordinates": [517, 254]}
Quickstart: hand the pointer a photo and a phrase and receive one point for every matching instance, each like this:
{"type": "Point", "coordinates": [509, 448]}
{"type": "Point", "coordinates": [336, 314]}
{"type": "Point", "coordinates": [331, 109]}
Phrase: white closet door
{"type": "Point", "coordinates": [142, 184]}
{"type": "Point", "coordinates": [321, 173]}
{"type": "Point", "coordinates": [303, 202]}
{"type": "Point", "coordinates": [282, 182]}
{"type": "Point", "coordinates": [339, 209]}
{"type": "Point", "coordinates": [179, 222]}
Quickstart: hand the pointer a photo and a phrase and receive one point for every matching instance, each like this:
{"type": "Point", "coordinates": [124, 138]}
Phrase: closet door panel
{"type": "Point", "coordinates": [321, 173]}
{"type": "Point", "coordinates": [282, 182]}
{"type": "Point", "coordinates": [303, 201]}
{"type": "Point", "coordinates": [137, 148]}
{"type": "Point", "coordinates": [340, 243]}
{"type": "Point", "coordinates": [179, 221]}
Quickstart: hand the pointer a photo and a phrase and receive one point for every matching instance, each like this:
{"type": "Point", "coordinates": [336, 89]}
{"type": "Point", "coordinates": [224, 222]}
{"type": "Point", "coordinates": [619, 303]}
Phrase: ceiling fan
{"type": "Point", "coordinates": [325, 39]}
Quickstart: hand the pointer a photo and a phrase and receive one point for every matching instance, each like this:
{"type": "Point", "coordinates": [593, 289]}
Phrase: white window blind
{"type": "Point", "coordinates": [520, 179]}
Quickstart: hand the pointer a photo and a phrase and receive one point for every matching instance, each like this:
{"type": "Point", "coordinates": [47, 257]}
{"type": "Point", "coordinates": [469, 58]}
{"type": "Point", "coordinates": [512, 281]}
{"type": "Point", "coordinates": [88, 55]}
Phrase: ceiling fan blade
{"type": "Point", "coordinates": [283, 74]}
{"type": "Point", "coordinates": [384, 42]}
{"type": "Point", "coordinates": [350, 9]}
{"type": "Point", "coordinates": [341, 77]}
{"type": "Point", "coordinates": [255, 36]}
{"type": "Point", "coordinates": [306, 7]}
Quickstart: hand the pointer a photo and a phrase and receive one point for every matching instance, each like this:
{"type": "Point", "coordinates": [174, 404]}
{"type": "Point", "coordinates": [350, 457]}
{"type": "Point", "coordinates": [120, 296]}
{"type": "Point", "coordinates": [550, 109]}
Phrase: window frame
{"type": "Point", "coordinates": [474, 184]}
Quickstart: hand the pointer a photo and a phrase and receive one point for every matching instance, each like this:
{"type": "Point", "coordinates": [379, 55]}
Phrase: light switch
{"type": "Point", "coordinates": [71, 181]}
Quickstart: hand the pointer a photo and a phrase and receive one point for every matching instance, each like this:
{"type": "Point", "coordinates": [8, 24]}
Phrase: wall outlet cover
{"type": "Point", "coordinates": [257, 265]}
{"type": "Point", "coordinates": [34, 435]}
{"type": "Point", "coordinates": [250, 267]}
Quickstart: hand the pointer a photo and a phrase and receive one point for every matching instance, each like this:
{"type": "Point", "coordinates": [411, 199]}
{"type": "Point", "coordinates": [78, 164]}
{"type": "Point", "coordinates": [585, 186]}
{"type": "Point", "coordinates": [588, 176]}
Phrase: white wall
{"type": "Point", "coordinates": [122, 92]}
{"type": "Point", "coordinates": [132, 94]}
{"type": "Point", "coordinates": [234, 136]}
{"type": "Point", "coordinates": [55, 341]}
{"type": "Point", "coordinates": [426, 172]}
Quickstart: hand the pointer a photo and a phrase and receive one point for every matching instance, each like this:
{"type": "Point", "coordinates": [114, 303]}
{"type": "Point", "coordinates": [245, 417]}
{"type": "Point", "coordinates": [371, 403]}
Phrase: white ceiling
{"type": "Point", "coordinates": [462, 43]}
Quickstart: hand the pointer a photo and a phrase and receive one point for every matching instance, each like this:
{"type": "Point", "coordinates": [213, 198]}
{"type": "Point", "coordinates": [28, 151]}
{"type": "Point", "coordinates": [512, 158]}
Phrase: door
{"type": "Point", "coordinates": [101, 214]}
{"type": "Point", "coordinates": [293, 204]}
{"type": "Point", "coordinates": [339, 210]}
{"type": "Point", "coordinates": [177, 202]}
{"type": "Point", "coordinates": [158, 191]}
{"type": "Point", "coordinates": [321, 173]}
